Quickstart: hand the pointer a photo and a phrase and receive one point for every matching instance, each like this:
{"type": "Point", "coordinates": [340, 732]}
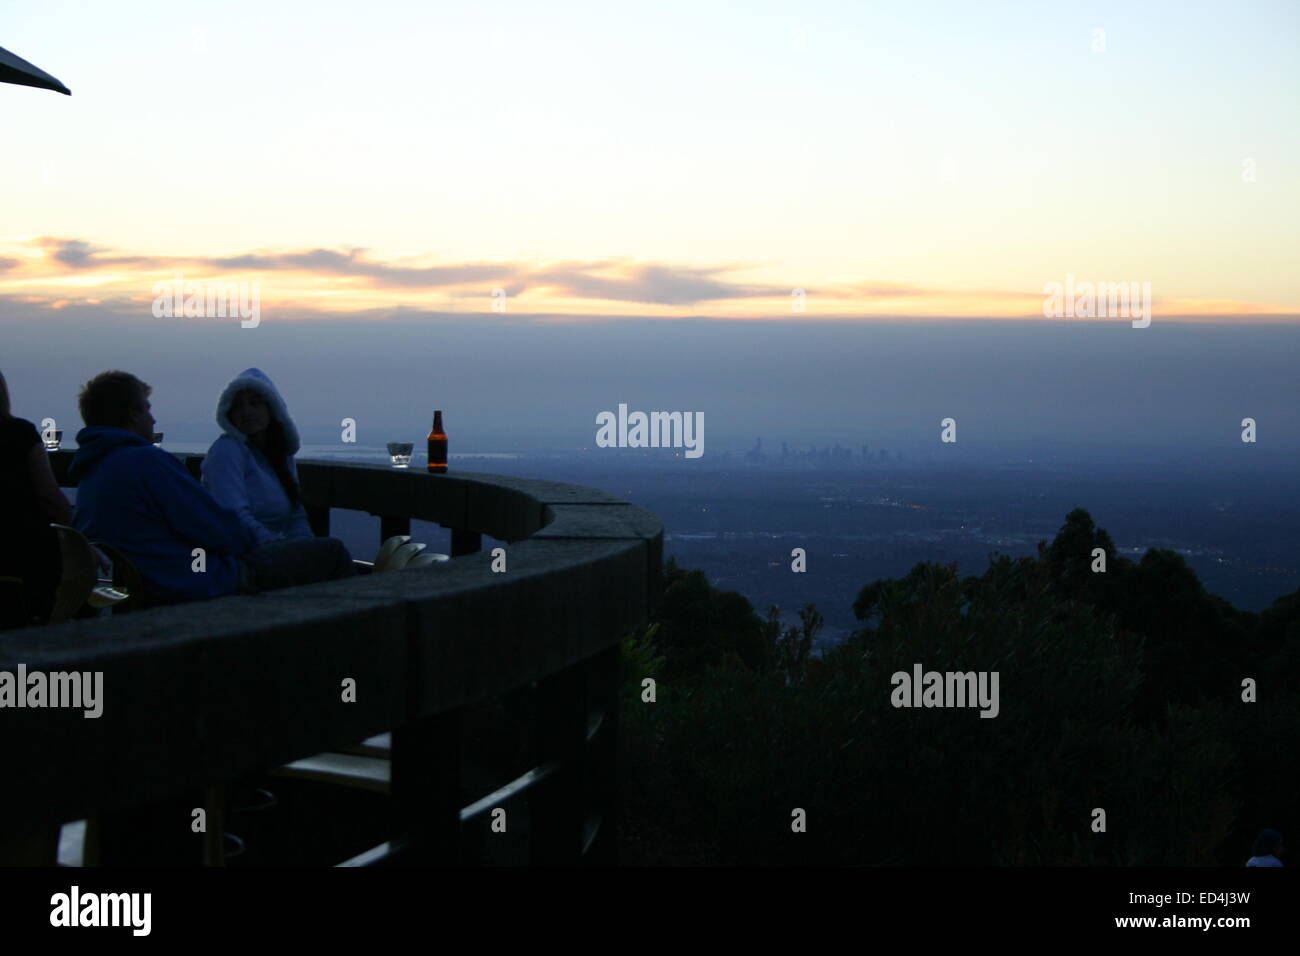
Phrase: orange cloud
{"type": "Point", "coordinates": [55, 271]}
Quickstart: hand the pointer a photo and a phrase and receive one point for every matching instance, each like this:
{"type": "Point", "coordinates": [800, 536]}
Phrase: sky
{"type": "Point", "coordinates": [597, 160]}
{"type": "Point", "coordinates": [813, 221]}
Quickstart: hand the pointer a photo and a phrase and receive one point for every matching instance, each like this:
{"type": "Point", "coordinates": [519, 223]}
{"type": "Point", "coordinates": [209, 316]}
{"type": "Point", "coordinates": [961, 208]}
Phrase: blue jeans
{"type": "Point", "coordinates": [293, 561]}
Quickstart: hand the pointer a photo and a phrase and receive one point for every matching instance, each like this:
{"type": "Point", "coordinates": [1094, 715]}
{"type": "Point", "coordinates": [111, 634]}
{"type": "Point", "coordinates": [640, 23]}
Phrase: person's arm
{"type": "Point", "coordinates": [192, 513]}
{"type": "Point", "coordinates": [223, 477]}
{"type": "Point", "coordinates": [49, 496]}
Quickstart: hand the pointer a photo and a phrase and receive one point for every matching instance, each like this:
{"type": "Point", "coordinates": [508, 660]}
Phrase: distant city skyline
{"type": "Point", "coordinates": [509, 386]}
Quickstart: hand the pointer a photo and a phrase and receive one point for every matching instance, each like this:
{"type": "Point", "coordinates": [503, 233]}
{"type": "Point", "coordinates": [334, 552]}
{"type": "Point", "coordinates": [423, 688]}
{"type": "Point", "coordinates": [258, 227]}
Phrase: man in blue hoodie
{"type": "Point", "coordinates": [143, 500]}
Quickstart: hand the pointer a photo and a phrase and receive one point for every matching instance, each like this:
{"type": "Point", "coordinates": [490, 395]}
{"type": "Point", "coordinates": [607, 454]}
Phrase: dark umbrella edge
{"type": "Point", "coordinates": [17, 71]}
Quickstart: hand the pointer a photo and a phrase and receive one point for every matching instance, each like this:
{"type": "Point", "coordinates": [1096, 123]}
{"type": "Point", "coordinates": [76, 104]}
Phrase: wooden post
{"type": "Point", "coordinates": [426, 790]}
{"type": "Point", "coordinates": [214, 846]}
{"type": "Point", "coordinates": [465, 541]}
{"type": "Point", "coordinates": [390, 525]}
{"type": "Point", "coordinates": [605, 677]}
{"type": "Point", "coordinates": [319, 519]}
{"type": "Point", "coordinates": [559, 805]}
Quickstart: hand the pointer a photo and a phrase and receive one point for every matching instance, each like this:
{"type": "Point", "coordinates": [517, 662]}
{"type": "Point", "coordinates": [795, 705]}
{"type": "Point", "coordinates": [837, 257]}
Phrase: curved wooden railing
{"type": "Point", "coordinates": [202, 694]}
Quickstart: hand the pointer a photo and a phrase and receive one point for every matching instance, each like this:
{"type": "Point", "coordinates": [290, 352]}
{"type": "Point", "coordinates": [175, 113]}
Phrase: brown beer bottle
{"type": "Point", "coordinates": [437, 446]}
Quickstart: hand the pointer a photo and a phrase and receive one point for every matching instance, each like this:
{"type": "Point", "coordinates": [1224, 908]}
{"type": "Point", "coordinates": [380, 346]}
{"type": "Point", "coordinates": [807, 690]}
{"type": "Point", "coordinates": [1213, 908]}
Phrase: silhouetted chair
{"type": "Point", "coordinates": [79, 584]}
{"type": "Point", "coordinates": [79, 573]}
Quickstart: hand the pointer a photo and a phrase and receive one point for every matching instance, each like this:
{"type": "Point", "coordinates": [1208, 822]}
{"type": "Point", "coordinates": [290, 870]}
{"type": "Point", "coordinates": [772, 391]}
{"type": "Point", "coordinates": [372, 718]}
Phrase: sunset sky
{"type": "Point", "coordinates": [669, 159]}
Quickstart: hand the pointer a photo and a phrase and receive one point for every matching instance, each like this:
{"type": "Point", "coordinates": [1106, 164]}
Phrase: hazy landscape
{"type": "Point", "coordinates": [1236, 527]}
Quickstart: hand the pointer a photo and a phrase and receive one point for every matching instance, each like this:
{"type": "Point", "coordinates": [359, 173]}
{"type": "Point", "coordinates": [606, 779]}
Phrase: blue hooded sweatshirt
{"type": "Point", "coordinates": [142, 500]}
{"type": "Point", "coordinates": [239, 476]}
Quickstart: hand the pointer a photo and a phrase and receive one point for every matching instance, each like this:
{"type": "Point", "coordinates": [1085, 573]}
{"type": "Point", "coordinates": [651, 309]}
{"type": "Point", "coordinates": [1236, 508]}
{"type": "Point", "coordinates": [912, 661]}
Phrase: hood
{"type": "Point", "coordinates": [255, 379]}
{"type": "Point", "coordinates": [97, 442]}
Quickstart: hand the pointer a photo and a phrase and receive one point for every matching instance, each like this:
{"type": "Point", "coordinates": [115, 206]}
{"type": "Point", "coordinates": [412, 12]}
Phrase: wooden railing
{"type": "Point", "coordinates": [199, 695]}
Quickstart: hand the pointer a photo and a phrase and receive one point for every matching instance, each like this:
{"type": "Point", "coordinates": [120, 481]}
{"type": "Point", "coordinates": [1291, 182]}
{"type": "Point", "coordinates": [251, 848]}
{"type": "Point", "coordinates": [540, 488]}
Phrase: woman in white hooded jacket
{"type": "Point", "coordinates": [250, 468]}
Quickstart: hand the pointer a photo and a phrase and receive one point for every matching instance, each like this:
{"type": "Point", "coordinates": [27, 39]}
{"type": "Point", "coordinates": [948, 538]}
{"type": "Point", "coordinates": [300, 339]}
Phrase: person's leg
{"type": "Point", "coordinates": [284, 564]}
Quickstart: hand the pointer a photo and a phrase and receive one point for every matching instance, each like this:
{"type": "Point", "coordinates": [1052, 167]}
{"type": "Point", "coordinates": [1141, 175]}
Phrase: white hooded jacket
{"type": "Point", "coordinates": [238, 475]}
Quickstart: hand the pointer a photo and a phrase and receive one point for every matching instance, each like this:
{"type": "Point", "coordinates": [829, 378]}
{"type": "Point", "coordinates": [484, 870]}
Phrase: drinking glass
{"type": "Point", "coordinates": [157, 438]}
{"type": "Point", "coordinates": [400, 453]}
{"type": "Point", "coordinates": [52, 439]}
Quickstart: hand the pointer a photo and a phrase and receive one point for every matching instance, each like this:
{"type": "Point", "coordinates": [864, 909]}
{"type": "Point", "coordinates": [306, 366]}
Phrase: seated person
{"type": "Point", "coordinates": [29, 500]}
{"type": "Point", "coordinates": [143, 500]}
{"type": "Point", "coordinates": [250, 469]}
